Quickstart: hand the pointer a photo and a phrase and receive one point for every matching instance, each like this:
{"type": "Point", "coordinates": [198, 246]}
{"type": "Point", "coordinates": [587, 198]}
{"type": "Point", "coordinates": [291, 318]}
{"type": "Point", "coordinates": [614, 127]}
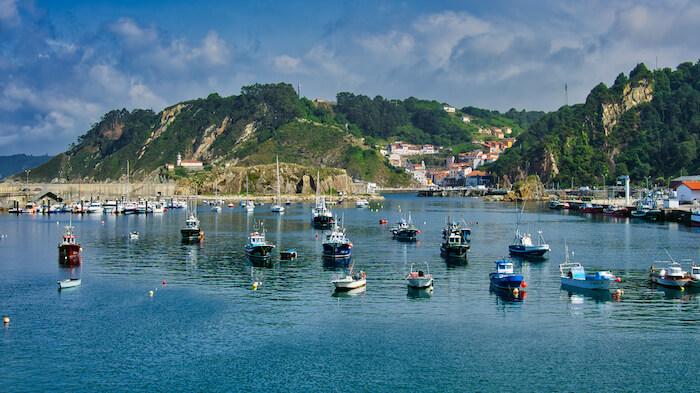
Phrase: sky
{"type": "Point", "coordinates": [63, 64]}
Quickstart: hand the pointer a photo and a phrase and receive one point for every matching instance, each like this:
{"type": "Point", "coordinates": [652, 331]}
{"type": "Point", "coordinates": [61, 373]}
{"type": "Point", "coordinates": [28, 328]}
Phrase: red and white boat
{"type": "Point", "coordinates": [695, 218]}
{"type": "Point", "coordinates": [69, 250]}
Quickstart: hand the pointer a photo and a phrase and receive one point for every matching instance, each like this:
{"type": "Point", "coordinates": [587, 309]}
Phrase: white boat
{"type": "Point", "coordinates": [350, 281]}
{"type": "Point", "coordinates": [672, 276]}
{"type": "Point", "coordinates": [95, 208]}
{"type": "Point", "coordinates": [694, 276]}
{"type": "Point", "coordinates": [157, 207]}
{"type": "Point", "coordinates": [574, 275]}
{"type": "Point", "coordinates": [134, 235]}
{"type": "Point", "coordinates": [360, 203]}
{"type": "Point", "coordinates": [420, 279]}
{"type": "Point", "coordinates": [216, 209]}
{"type": "Point", "coordinates": [277, 206]}
{"type": "Point", "coordinates": [69, 283]}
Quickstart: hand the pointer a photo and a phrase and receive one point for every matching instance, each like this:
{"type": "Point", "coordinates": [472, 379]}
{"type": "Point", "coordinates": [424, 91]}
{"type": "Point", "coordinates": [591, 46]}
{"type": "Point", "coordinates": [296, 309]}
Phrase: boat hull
{"type": "Point", "coordinates": [69, 253]}
{"type": "Point", "coordinates": [586, 284]}
{"type": "Point", "coordinates": [454, 251]}
{"type": "Point", "coordinates": [331, 250]}
{"type": "Point", "coordinates": [668, 282]}
{"type": "Point", "coordinates": [505, 281]}
{"type": "Point", "coordinates": [190, 234]}
{"type": "Point", "coordinates": [406, 235]}
{"type": "Point", "coordinates": [259, 252]}
{"type": "Point", "coordinates": [71, 283]}
{"type": "Point", "coordinates": [527, 251]}
{"type": "Point", "coordinates": [419, 282]}
{"type": "Point", "coordinates": [343, 286]}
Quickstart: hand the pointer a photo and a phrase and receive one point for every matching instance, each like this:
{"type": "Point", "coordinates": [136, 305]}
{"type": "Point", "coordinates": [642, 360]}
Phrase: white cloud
{"type": "Point", "coordinates": [287, 64]}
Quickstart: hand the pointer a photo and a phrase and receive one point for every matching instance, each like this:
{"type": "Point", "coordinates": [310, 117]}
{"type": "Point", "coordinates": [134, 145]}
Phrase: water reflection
{"type": "Point", "coordinates": [577, 295]}
{"type": "Point", "coordinates": [419, 293]}
{"type": "Point", "coordinates": [508, 296]}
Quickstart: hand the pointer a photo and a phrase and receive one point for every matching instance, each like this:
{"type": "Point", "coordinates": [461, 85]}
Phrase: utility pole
{"type": "Point", "coordinates": [566, 93]}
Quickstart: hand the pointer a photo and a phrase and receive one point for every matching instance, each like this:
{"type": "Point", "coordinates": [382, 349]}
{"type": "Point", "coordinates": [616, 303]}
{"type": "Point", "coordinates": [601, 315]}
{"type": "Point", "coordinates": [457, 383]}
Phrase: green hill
{"type": "Point", "coordinates": [646, 124]}
{"type": "Point", "coordinates": [252, 128]}
{"type": "Point", "coordinates": [9, 165]}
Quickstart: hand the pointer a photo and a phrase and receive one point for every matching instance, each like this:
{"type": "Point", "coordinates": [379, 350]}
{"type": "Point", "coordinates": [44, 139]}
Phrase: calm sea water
{"type": "Point", "coordinates": [206, 330]}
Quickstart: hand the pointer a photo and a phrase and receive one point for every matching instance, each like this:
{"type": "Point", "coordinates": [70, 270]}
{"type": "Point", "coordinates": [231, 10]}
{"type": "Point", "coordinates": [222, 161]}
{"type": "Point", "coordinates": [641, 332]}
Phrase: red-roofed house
{"type": "Point", "coordinates": [688, 191]}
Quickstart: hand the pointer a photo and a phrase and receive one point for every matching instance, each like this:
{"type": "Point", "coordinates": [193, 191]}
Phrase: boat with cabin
{"type": "Point", "coordinates": [504, 277]}
{"type": "Point", "coordinates": [456, 241]}
{"type": "Point", "coordinates": [574, 275]}
{"type": "Point", "coordinates": [523, 245]}
{"type": "Point", "coordinates": [289, 254]}
{"type": "Point", "coordinates": [336, 245]}
{"type": "Point", "coordinates": [405, 231]}
{"type": "Point", "coordinates": [672, 275]}
{"type": "Point", "coordinates": [419, 278]}
{"type": "Point", "coordinates": [94, 208]}
{"type": "Point", "coordinates": [69, 249]}
{"type": "Point", "coordinates": [258, 247]}
{"type": "Point", "coordinates": [361, 203]}
{"type": "Point", "coordinates": [191, 231]}
{"type": "Point", "coordinates": [694, 275]}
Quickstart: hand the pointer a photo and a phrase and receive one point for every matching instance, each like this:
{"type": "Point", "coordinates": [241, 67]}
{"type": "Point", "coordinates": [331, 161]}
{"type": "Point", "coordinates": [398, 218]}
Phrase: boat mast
{"type": "Point", "coordinates": [278, 179]}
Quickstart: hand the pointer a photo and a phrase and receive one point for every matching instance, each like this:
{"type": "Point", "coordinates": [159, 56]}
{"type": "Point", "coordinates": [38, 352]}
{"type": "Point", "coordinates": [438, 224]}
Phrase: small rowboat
{"type": "Point", "coordinates": [289, 254]}
{"type": "Point", "coordinates": [69, 283]}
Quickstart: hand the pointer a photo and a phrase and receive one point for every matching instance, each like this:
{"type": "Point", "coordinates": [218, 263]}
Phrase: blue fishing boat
{"type": "Point", "coordinates": [258, 247]}
{"type": "Point", "coordinates": [504, 278]}
{"type": "Point", "coordinates": [337, 245]}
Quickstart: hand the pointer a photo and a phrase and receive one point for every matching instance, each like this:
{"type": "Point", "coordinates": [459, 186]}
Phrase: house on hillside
{"type": "Point", "coordinates": [449, 109]}
{"type": "Point", "coordinates": [192, 165]}
{"type": "Point", "coordinates": [466, 118]}
{"type": "Point", "coordinates": [478, 178]}
{"type": "Point", "coordinates": [688, 191]}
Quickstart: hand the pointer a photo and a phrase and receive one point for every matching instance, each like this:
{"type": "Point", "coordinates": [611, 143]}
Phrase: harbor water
{"type": "Point", "coordinates": [205, 329]}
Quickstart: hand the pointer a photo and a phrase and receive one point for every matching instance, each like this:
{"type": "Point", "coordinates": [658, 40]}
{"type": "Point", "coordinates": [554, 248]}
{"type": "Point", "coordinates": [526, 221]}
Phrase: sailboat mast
{"type": "Point", "coordinates": [278, 179]}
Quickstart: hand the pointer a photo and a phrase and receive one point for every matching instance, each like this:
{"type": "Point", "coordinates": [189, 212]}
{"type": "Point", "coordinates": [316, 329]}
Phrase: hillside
{"type": "Point", "coordinates": [646, 124]}
{"type": "Point", "coordinates": [10, 165]}
{"type": "Point", "coordinates": [252, 128]}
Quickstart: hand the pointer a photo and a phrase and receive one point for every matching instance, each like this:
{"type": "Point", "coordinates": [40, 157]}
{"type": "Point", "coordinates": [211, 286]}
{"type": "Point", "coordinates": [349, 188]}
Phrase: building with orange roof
{"type": "Point", "coordinates": [688, 191]}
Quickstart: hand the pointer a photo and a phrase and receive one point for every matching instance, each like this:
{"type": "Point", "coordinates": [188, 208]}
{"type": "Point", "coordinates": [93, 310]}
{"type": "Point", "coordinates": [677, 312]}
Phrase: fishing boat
{"type": "Point", "coordinates": [556, 204]}
{"type": "Point", "coordinates": [523, 245]}
{"type": "Point", "coordinates": [289, 254]}
{"type": "Point", "coordinates": [405, 231]}
{"type": "Point", "coordinates": [419, 279]}
{"type": "Point", "coordinates": [69, 249]}
{"type": "Point", "coordinates": [361, 203]}
{"type": "Point", "coordinates": [336, 244]}
{"type": "Point", "coordinates": [456, 241]}
{"type": "Point", "coordinates": [504, 278]}
{"type": "Point", "coordinates": [574, 275]}
{"type": "Point", "coordinates": [258, 247]}
{"type": "Point", "coordinates": [191, 230]}
{"type": "Point", "coordinates": [157, 208]}
{"type": "Point", "coordinates": [109, 207]}
{"type": "Point", "coordinates": [350, 281]}
{"type": "Point", "coordinates": [69, 283]}
{"type": "Point", "coordinates": [672, 276]}
{"type": "Point", "coordinates": [277, 206]}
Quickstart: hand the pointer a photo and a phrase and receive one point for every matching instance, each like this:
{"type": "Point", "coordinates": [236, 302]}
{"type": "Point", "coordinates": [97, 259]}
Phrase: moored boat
{"type": "Point", "coordinates": [69, 283]}
{"type": "Point", "coordinates": [191, 230]}
{"type": "Point", "coordinates": [504, 278]}
{"type": "Point", "coordinates": [456, 241]}
{"type": "Point", "coordinates": [694, 275]}
{"type": "Point", "coordinates": [336, 244]}
{"type": "Point", "coordinates": [419, 279]}
{"type": "Point", "coordinates": [258, 247]}
{"type": "Point", "coordinates": [321, 216]}
{"type": "Point", "coordinates": [69, 249]}
{"type": "Point", "coordinates": [695, 218]}
{"type": "Point", "coordinates": [289, 254]}
{"type": "Point", "coordinates": [350, 281]}
{"type": "Point", "coordinates": [672, 276]}
{"type": "Point", "coordinates": [405, 231]}
{"type": "Point", "coordinates": [523, 246]}
{"type": "Point", "coordinates": [574, 275]}
{"type": "Point", "coordinates": [361, 203]}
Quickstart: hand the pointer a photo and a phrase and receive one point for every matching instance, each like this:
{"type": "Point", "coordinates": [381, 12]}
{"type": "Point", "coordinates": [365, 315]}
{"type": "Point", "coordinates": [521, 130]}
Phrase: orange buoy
{"type": "Point", "coordinates": [523, 284]}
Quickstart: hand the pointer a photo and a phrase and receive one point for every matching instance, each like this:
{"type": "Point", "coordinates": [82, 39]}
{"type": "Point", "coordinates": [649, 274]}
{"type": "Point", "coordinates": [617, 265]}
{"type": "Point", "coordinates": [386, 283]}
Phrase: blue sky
{"type": "Point", "coordinates": [64, 64]}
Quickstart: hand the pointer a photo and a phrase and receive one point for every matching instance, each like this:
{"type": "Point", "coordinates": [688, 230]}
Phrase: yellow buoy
{"type": "Point", "coordinates": [255, 285]}
{"type": "Point", "coordinates": [150, 293]}
{"type": "Point", "coordinates": [516, 291]}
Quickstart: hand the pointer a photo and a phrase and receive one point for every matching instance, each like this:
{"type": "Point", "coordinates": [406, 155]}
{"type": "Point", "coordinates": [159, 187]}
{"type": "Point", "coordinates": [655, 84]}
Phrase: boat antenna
{"type": "Point", "coordinates": [669, 255]}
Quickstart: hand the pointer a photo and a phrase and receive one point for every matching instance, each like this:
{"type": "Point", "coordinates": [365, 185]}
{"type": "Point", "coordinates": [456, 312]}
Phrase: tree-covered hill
{"type": "Point", "coordinates": [252, 128]}
{"type": "Point", "coordinates": [646, 124]}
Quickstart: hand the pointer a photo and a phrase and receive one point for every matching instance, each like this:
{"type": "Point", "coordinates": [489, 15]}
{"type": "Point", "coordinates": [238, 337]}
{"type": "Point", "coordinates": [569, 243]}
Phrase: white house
{"type": "Point", "coordinates": [688, 191]}
{"type": "Point", "coordinates": [449, 109]}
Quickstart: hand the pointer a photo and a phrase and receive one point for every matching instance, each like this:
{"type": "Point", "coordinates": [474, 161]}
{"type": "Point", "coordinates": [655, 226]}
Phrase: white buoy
{"type": "Point", "coordinates": [151, 293]}
{"type": "Point", "coordinates": [6, 319]}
